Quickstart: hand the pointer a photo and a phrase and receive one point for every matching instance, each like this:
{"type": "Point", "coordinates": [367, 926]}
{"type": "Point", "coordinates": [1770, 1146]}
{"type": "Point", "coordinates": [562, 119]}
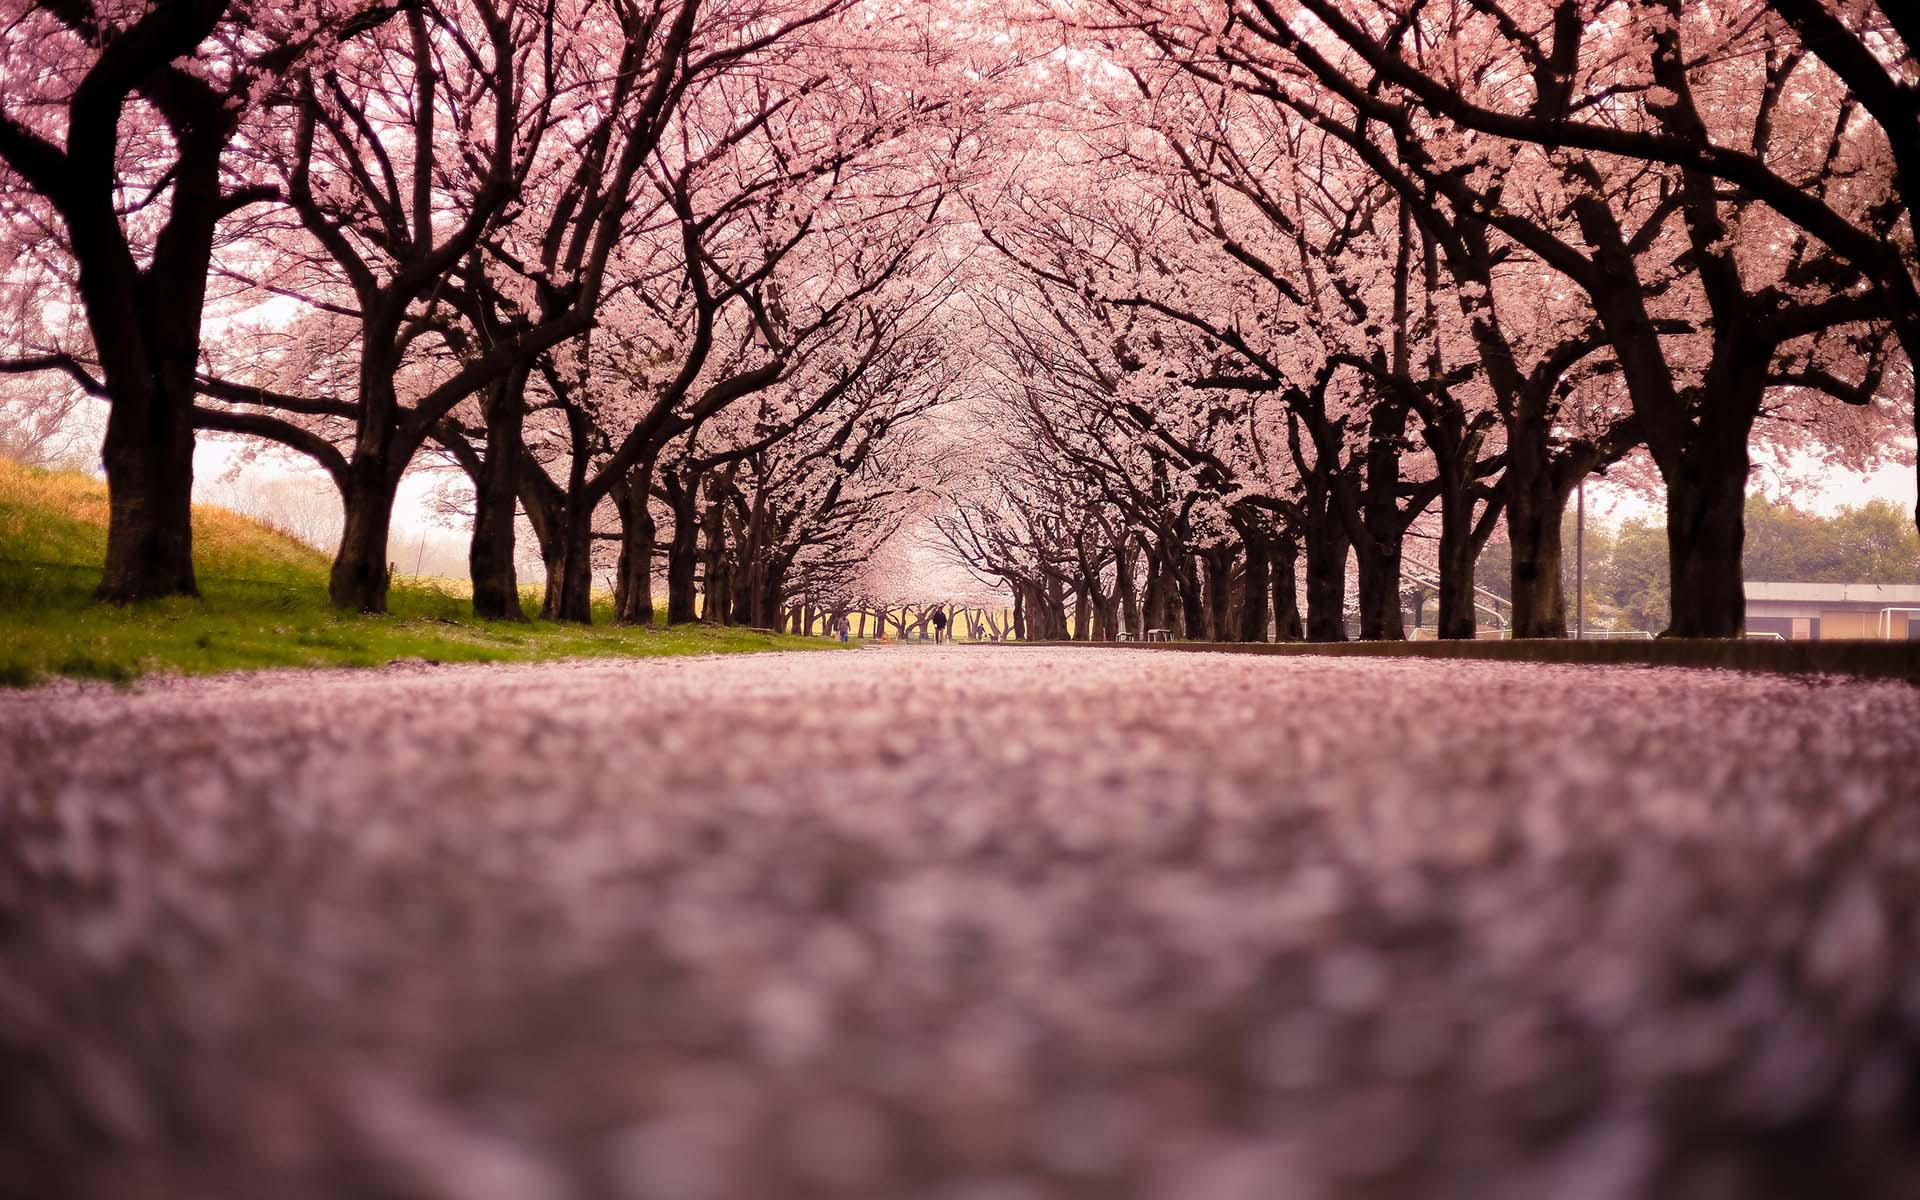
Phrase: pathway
{"type": "Point", "coordinates": [961, 924]}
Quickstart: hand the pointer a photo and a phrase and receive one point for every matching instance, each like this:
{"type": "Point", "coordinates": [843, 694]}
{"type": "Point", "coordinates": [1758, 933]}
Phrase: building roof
{"type": "Point", "coordinates": [1843, 593]}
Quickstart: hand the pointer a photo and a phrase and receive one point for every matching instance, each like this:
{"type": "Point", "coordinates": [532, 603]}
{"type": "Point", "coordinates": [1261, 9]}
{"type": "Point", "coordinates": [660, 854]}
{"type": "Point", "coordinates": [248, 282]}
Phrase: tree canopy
{"type": "Point", "coordinates": [1221, 316]}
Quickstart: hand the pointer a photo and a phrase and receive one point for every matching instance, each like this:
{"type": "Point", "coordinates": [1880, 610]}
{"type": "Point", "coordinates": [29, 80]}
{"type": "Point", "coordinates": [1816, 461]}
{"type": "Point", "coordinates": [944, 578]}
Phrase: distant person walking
{"type": "Point", "coordinates": [842, 627]}
{"type": "Point", "coordinates": [939, 625]}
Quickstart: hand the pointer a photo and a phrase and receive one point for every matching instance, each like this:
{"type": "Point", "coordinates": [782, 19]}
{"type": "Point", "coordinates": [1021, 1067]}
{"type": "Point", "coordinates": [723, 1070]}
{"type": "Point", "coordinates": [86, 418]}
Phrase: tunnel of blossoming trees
{"type": "Point", "coordinates": [1225, 318]}
{"type": "Point", "coordinates": [1056, 321]}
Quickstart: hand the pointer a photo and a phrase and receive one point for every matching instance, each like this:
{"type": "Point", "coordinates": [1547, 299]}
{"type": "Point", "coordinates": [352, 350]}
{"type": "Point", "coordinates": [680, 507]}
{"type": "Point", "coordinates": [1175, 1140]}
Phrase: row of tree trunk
{"type": "Point", "coordinates": [725, 557]}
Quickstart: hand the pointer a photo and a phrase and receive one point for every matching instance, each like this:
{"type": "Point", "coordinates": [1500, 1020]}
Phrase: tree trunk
{"type": "Point", "coordinates": [1193, 607]}
{"type": "Point", "coordinates": [1457, 617]}
{"type": "Point", "coordinates": [1259, 575]}
{"type": "Point", "coordinates": [750, 591]}
{"type": "Point", "coordinates": [770, 595]}
{"type": "Point", "coordinates": [1286, 591]}
{"type": "Point", "coordinates": [570, 556]}
{"type": "Point", "coordinates": [496, 587]}
{"type": "Point", "coordinates": [1219, 569]}
{"type": "Point", "coordinates": [1539, 594]}
{"type": "Point", "coordinates": [1380, 618]}
{"type": "Point", "coordinates": [1054, 610]}
{"type": "Point", "coordinates": [545, 510]}
{"type": "Point", "coordinates": [146, 327]}
{"type": "Point", "coordinates": [570, 589]}
{"type": "Point", "coordinates": [1123, 582]}
{"type": "Point", "coordinates": [360, 575]}
{"type": "Point", "coordinates": [1383, 524]}
{"type": "Point", "coordinates": [360, 567]}
{"type": "Point", "coordinates": [716, 566]}
{"type": "Point", "coordinates": [1535, 504]}
{"type": "Point", "coordinates": [633, 588]}
{"type": "Point", "coordinates": [682, 550]}
{"type": "Point", "coordinates": [1159, 605]}
{"type": "Point", "coordinates": [1327, 548]}
{"type": "Point", "coordinates": [1707, 493]}
{"type": "Point", "coordinates": [148, 456]}
{"type": "Point", "coordinates": [1706, 531]}
{"type": "Point", "coordinates": [743, 580]}
{"type": "Point", "coordinates": [1457, 554]}
{"type": "Point", "coordinates": [553, 558]}
{"type": "Point", "coordinates": [682, 576]}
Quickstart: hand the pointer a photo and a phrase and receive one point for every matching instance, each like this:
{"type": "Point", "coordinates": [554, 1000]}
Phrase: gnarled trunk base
{"type": "Point", "coordinates": [361, 572]}
{"type": "Point", "coordinates": [149, 509]}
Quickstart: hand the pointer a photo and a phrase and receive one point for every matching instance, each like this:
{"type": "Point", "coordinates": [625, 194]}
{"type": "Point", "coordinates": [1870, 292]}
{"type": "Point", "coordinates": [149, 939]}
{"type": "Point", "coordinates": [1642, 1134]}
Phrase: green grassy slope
{"type": "Point", "coordinates": [263, 603]}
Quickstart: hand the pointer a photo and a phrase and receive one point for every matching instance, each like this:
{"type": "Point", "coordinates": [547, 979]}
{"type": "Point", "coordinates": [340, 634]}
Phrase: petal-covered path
{"type": "Point", "coordinates": [962, 924]}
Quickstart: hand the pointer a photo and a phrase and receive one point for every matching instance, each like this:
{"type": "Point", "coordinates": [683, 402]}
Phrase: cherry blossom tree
{"type": "Point", "coordinates": [1257, 294]}
{"type": "Point", "coordinates": [1847, 67]}
{"type": "Point", "coordinates": [1239, 282]}
{"type": "Point", "coordinates": [42, 413]}
{"type": "Point", "coordinates": [116, 125]}
{"type": "Point", "coordinates": [524, 131]}
{"type": "Point", "coordinates": [1764, 309]}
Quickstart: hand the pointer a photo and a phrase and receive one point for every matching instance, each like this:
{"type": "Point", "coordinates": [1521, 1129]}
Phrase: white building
{"type": "Point", "coordinates": [1826, 611]}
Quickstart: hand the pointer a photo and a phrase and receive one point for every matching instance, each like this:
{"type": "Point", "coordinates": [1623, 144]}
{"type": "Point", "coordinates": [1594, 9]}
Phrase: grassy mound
{"type": "Point", "coordinates": [263, 603]}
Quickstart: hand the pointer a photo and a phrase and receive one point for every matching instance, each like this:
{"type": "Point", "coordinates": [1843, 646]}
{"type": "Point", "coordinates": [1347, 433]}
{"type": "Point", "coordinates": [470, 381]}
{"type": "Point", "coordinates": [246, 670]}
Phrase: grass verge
{"type": "Point", "coordinates": [263, 604]}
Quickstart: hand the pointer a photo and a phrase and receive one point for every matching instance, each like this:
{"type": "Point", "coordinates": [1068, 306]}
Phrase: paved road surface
{"type": "Point", "coordinates": [962, 924]}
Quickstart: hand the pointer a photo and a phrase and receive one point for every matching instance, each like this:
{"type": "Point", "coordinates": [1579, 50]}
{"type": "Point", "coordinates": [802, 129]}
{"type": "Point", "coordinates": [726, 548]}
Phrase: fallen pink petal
{"type": "Point", "coordinates": [955, 923]}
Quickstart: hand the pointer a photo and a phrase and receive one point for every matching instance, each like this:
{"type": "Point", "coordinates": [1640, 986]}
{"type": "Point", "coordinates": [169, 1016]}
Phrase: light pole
{"type": "Point", "coordinates": [1580, 562]}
